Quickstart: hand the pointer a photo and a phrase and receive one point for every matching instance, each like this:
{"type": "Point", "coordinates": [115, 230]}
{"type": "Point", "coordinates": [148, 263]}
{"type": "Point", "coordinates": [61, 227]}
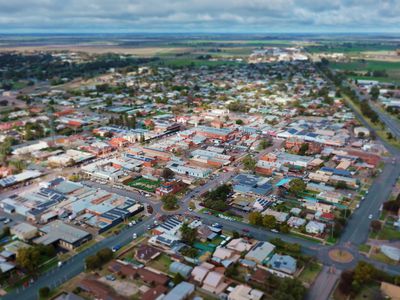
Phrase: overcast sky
{"type": "Point", "coordinates": [199, 16]}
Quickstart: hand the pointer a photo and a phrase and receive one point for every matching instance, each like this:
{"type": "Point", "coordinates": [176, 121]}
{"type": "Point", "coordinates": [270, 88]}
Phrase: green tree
{"type": "Point", "coordinates": [188, 234]}
{"type": "Point", "coordinates": [376, 225]}
{"type": "Point", "coordinates": [264, 144]}
{"type": "Point", "coordinates": [167, 174]}
{"type": "Point", "coordinates": [255, 218]}
{"type": "Point", "coordinates": [29, 258]}
{"type": "Point", "coordinates": [235, 234]}
{"type": "Point", "coordinates": [105, 255]}
{"type": "Point", "coordinates": [284, 228]}
{"type": "Point", "coordinates": [178, 278]}
{"type": "Point", "coordinates": [44, 292]}
{"type": "Point", "coordinates": [374, 93]}
{"type": "Point", "coordinates": [303, 149]}
{"type": "Point", "coordinates": [297, 186]}
{"type": "Point", "coordinates": [364, 273]}
{"type": "Point", "coordinates": [249, 163]}
{"type": "Point", "coordinates": [170, 202]}
{"type": "Point", "coordinates": [92, 262]}
{"type": "Point", "coordinates": [232, 270]}
{"type": "Point", "coordinates": [239, 122]}
{"type": "Point", "coordinates": [269, 221]}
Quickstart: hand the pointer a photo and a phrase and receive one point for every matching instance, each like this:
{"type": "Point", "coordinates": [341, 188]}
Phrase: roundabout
{"type": "Point", "coordinates": [340, 255]}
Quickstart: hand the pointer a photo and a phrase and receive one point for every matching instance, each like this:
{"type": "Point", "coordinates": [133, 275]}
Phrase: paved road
{"type": "Point", "coordinates": [357, 228]}
{"type": "Point", "coordinates": [75, 265]}
{"type": "Point", "coordinates": [324, 284]}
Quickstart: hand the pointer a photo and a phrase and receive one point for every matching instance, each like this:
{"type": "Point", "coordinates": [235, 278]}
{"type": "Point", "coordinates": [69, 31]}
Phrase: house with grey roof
{"type": "Point", "coordinates": [283, 263]}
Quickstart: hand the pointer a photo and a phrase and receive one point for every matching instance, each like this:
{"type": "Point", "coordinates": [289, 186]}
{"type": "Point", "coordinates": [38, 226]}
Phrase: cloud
{"type": "Point", "coordinates": [199, 15]}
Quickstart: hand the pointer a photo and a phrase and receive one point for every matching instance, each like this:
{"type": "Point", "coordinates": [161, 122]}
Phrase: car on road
{"type": "Point", "coordinates": [245, 230]}
{"type": "Point", "coordinates": [358, 205]}
{"type": "Point", "coordinates": [6, 221]}
{"type": "Point", "coordinates": [274, 230]}
{"type": "Point", "coordinates": [116, 248]}
{"type": "Point", "coordinates": [134, 236]}
{"type": "Point", "coordinates": [370, 217]}
{"type": "Point", "coordinates": [217, 225]}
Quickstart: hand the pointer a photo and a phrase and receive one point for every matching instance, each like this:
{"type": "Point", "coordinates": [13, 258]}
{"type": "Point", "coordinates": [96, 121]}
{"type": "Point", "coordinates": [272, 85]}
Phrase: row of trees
{"type": "Point", "coordinates": [365, 108]}
{"type": "Point", "coordinates": [16, 66]}
{"type": "Point", "coordinates": [267, 221]}
{"type": "Point", "coordinates": [99, 259]}
{"type": "Point", "coordinates": [124, 120]}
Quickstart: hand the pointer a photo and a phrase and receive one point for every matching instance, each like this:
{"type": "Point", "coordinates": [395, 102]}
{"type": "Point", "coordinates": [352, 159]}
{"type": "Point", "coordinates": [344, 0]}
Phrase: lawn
{"type": "Point", "coordinates": [161, 263]}
{"type": "Point", "coordinates": [388, 233]}
{"type": "Point", "coordinates": [144, 184]}
{"type": "Point", "coordinates": [364, 248]}
{"type": "Point", "coordinates": [305, 237]}
{"type": "Point", "coordinates": [310, 272]}
{"type": "Point", "coordinates": [379, 256]}
{"type": "Point", "coordinates": [391, 68]}
{"type": "Point", "coordinates": [367, 65]}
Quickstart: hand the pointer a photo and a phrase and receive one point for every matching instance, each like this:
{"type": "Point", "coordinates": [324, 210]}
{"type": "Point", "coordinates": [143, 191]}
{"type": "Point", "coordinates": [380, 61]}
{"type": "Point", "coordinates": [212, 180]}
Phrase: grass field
{"type": "Point", "coordinates": [367, 65]}
{"type": "Point", "coordinates": [144, 184]}
{"type": "Point", "coordinates": [364, 248]}
{"type": "Point", "coordinates": [349, 48]}
{"type": "Point", "coordinates": [362, 66]}
{"type": "Point", "coordinates": [388, 233]}
{"type": "Point", "coordinates": [161, 263]}
{"type": "Point", "coordinates": [310, 272]}
{"type": "Point", "coordinates": [382, 258]}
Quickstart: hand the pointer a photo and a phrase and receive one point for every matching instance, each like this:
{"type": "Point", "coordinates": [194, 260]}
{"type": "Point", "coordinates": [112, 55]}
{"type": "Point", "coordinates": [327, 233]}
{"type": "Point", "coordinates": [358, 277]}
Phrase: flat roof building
{"type": "Point", "coordinates": [60, 234]}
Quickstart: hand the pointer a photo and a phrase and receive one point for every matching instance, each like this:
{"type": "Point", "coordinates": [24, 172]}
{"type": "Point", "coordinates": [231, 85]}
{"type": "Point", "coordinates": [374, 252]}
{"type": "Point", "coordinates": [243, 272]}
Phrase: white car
{"type": "Point", "coordinates": [370, 217]}
{"type": "Point", "coordinates": [134, 236]}
{"type": "Point", "coordinates": [358, 205]}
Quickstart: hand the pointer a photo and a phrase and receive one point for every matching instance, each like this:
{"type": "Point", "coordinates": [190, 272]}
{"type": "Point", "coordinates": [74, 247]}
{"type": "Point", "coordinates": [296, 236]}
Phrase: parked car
{"type": "Point", "coordinates": [370, 217]}
{"type": "Point", "coordinates": [110, 277]}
